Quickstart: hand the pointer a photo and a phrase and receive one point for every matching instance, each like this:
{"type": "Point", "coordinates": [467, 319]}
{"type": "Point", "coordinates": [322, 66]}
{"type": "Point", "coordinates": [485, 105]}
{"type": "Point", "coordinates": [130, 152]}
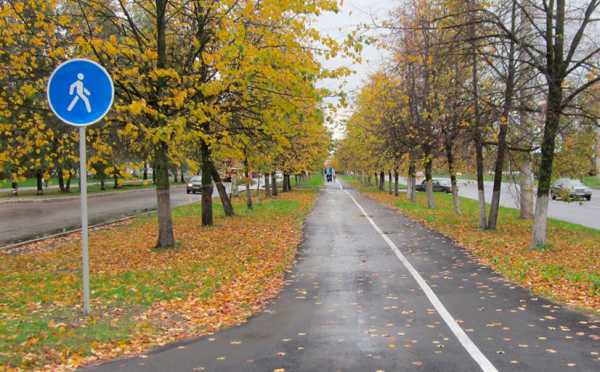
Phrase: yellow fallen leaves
{"type": "Point", "coordinates": [142, 297]}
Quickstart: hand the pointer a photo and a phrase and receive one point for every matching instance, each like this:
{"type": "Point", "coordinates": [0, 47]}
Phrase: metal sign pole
{"type": "Point", "coordinates": [81, 92]}
{"type": "Point", "coordinates": [84, 221]}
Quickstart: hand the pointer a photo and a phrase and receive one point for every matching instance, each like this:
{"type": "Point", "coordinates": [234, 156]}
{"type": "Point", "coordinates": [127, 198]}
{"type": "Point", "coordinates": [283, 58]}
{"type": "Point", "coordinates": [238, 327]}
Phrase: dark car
{"type": "Point", "coordinates": [194, 185]}
{"type": "Point", "coordinates": [566, 188]}
{"type": "Point", "coordinates": [439, 185]}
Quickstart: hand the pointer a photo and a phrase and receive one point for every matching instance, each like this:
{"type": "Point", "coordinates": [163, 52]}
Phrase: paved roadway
{"type": "Point", "coordinates": [30, 219]}
{"type": "Point", "coordinates": [352, 304]}
{"type": "Point", "coordinates": [583, 213]}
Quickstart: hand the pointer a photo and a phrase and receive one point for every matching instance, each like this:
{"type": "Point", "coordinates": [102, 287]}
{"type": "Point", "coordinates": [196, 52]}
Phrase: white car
{"type": "Point", "coordinates": [570, 188]}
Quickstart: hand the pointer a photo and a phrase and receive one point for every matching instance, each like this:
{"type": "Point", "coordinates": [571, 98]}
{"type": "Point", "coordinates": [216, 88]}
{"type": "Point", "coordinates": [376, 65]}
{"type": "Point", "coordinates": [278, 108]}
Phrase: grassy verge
{"type": "Point", "coordinates": [568, 270]}
{"type": "Point", "coordinates": [143, 297]}
{"type": "Point", "coordinates": [592, 181]}
{"type": "Point", "coordinates": [32, 182]}
{"type": "Point", "coordinates": [314, 182]}
{"type": "Point", "coordinates": [92, 189]}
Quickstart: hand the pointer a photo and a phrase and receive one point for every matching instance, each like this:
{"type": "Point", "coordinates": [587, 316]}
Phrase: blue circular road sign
{"type": "Point", "coordinates": [80, 92]}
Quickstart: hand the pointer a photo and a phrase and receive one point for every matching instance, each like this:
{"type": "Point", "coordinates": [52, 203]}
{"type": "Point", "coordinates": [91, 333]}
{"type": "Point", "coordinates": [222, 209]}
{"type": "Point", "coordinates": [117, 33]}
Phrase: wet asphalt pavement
{"type": "Point", "coordinates": [351, 305]}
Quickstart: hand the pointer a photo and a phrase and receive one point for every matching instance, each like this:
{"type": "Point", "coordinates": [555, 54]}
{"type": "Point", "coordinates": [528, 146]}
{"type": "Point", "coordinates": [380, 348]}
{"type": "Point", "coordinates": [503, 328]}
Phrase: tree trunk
{"type": "Point", "coordinates": [504, 121]}
{"type": "Point", "coordinates": [102, 183]}
{"type": "Point", "coordinates": [412, 179]}
{"type": "Point", "coordinates": [174, 175]}
{"type": "Point", "coordinates": [526, 185]}
{"type": "Point", "coordinates": [429, 182]}
{"type": "Point", "coordinates": [68, 185]}
{"type": "Point", "coordinates": [396, 180]}
{"type": "Point", "coordinates": [480, 184]}
{"type": "Point", "coordinates": [545, 173]}
{"type": "Point", "coordinates": [267, 185]}
{"type": "Point", "coordinates": [248, 190]}
{"type": "Point", "coordinates": [115, 181]}
{"type": "Point", "coordinates": [207, 187]}
{"type": "Point", "coordinates": [390, 181]}
{"type": "Point", "coordinates": [477, 124]}
{"type": "Point", "coordinates": [181, 176]}
{"type": "Point", "coordinates": [225, 200]}
{"type": "Point", "coordinates": [381, 181]}
{"type": "Point", "coordinates": [40, 186]}
{"type": "Point", "coordinates": [452, 172]}
{"type": "Point", "coordinates": [287, 186]}
{"type": "Point", "coordinates": [274, 183]}
{"type": "Point", "coordinates": [166, 237]}
{"type": "Point", "coordinates": [145, 172]}
{"type": "Point", "coordinates": [154, 173]}
{"type": "Point", "coordinates": [234, 185]}
{"type": "Point", "coordinates": [61, 180]}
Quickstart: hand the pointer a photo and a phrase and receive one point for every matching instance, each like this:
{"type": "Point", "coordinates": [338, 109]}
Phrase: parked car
{"type": "Point", "coordinates": [439, 185]}
{"type": "Point", "coordinates": [566, 188]}
{"type": "Point", "coordinates": [194, 185]}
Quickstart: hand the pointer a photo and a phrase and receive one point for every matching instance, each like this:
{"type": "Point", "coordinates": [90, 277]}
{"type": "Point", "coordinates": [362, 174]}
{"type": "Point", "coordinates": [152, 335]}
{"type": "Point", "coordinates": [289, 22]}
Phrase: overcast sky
{"type": "Point", "coordinates": [354, 13]}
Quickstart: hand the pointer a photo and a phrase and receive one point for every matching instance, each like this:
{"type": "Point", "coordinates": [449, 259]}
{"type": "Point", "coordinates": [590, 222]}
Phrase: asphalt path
{"type": "Point", "coordinates": [26, 220]}
{"type": "Point", "coordinates": [374, 291]}
{"type": "Point", "coordinates": [586, 213]}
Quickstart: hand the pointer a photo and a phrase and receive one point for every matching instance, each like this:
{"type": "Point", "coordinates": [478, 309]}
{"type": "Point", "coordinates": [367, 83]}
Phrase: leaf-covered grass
{"type": "Point", "coordinates": [142, 296]}
{"type": "Point", "coordinates": [567, 269]}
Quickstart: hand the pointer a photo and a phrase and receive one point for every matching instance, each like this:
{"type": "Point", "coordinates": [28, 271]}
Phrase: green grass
{"type": "Point", "coordinates": [314, 182]}
{"type": "Point", "coordinates": [32, 182]}
{"type": "Point", "coordinates": [372, 187]}
{"type": "Point", "coordinates": [592, 181]}
{"type": "Point", "coordinates": [92, 189]}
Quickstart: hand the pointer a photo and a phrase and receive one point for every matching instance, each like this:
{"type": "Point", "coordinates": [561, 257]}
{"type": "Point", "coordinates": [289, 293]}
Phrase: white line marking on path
{"type": "Point", "coordinates": [462, 337]}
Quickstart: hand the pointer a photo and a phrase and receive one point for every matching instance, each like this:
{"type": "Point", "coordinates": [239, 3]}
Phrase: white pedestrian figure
{"type": "Point", "coordinates": [81, 94]}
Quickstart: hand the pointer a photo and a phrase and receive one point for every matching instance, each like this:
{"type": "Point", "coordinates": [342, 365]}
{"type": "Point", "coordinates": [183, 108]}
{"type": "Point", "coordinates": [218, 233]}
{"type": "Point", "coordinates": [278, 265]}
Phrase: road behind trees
{"type": "Point", "coordinates": [26, 220]}
{"type": "Point", "coordinates": [586, 213]}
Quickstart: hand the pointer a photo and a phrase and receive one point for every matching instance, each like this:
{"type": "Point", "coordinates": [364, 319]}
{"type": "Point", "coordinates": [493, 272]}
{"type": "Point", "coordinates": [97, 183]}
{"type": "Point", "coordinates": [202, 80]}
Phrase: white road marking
{"type": "Point", "coordinates": [462, 337]}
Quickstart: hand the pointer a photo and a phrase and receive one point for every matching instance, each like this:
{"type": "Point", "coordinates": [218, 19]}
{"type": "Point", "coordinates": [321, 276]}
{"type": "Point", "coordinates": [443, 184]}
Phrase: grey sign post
{"type": "Point", "coordinates": [80, 93]}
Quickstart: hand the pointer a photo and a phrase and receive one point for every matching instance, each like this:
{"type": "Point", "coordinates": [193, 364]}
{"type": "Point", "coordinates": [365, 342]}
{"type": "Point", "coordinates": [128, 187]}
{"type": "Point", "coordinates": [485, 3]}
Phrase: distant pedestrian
{"type": "Point", "coordinates": [330, 172]}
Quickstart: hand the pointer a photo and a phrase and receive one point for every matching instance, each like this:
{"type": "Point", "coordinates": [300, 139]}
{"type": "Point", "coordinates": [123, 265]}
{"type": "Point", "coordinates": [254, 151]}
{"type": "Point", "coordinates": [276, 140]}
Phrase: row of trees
{"type": "Point", "coordinates": [469, 80]}
{"type": "Point", "coordinates": [198, 83]}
